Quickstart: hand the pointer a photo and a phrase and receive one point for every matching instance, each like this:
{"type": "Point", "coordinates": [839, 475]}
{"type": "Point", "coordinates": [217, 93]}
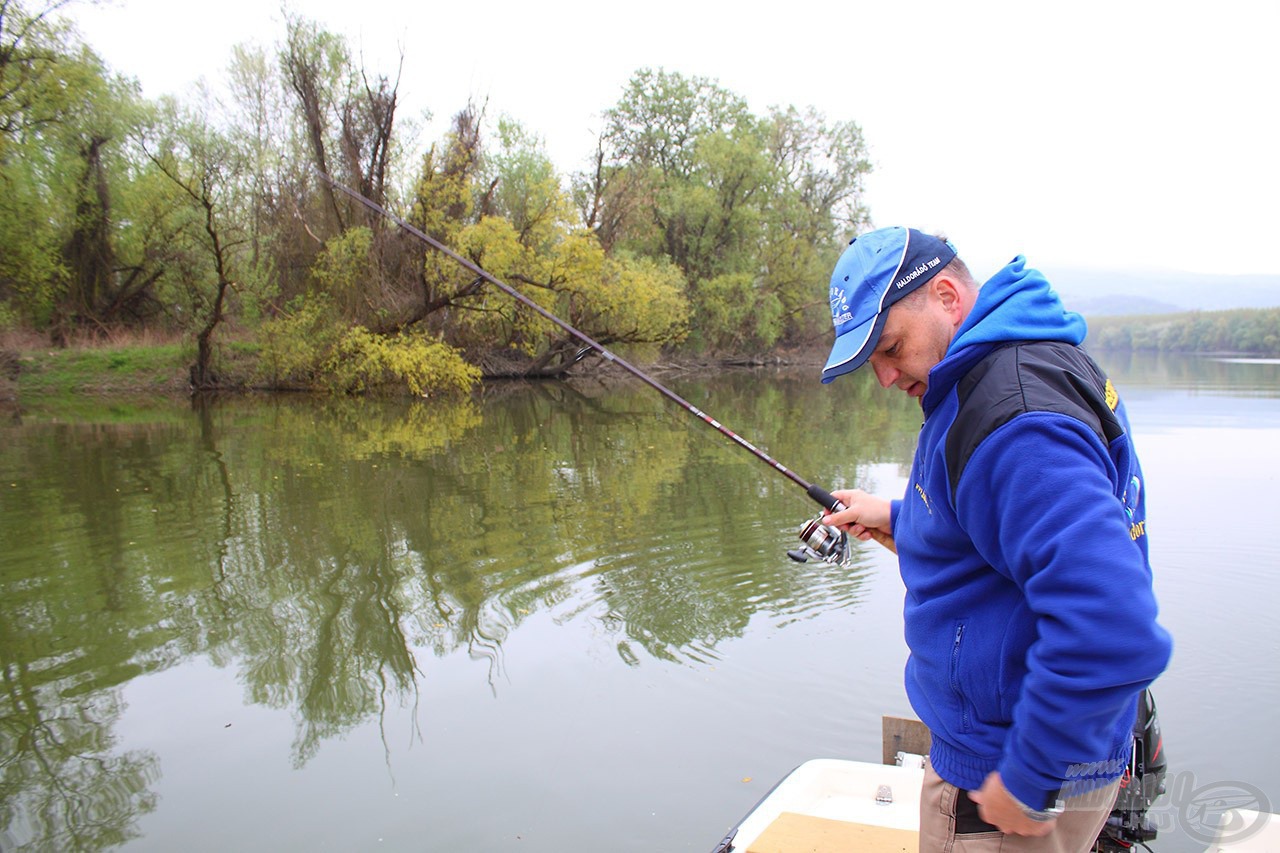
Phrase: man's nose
{"type": "Point", "coordinates": [885, 375]}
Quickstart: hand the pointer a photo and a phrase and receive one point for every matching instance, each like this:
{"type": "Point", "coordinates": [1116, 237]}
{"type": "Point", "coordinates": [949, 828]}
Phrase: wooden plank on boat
{"type": "Point", "coordinates": [902, 734]}
{"type": "Point", "coordinates": [798, 833]}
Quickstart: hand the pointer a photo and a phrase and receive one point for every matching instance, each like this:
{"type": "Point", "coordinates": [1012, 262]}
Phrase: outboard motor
{"type": "Point", "coordinates": [1142, 783]}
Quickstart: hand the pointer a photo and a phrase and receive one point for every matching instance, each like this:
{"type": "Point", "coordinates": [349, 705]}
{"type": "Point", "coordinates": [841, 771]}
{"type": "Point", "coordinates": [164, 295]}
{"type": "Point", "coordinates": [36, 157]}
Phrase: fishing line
{"type": "Point", "coordinates": [817, 493]}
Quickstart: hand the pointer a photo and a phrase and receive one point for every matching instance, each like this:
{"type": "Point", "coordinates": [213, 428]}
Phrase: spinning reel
{"type": "Point", "coordinates": [821, 542]}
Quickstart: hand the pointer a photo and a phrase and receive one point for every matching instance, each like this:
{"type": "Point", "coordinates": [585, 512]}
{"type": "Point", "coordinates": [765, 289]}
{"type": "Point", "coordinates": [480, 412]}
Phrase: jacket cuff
{"type": "Point", "coordinates": [1027, 790]}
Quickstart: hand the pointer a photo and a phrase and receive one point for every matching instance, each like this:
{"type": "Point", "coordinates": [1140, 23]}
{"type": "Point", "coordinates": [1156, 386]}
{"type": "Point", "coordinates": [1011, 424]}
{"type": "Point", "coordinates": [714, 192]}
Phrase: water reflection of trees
{"type": "Point", "coordinates": [63, 787]}
{"type": "Point", "coordinates": [77, 620]}
{"type": "Point", "coordinates": [319, 548]}
{"type": "Point", "coordinates": [1132, 370]}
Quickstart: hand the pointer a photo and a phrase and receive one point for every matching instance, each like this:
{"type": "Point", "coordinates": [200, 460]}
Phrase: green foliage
{"type": "Point", "coordinates": [34, 49]}
{"type": "Point", "coordinates": [444, 200]}
{"type": "Point", "coordinates": [752, 209]}
{"type": "Point", "coordinates": [343, 268]}
{"type": "Point", "coordinates": [620, 299]}
{"type": "Point", "coordinates": [311, 348]}
{"type": "Point", "coordinates": [490, 316]}
{"type": "Point", "coordinates": [295, 344]}
{"type": "Point", "coordinates": [662, 115]}
{"type": "Point", "coordinates": [700, 215]}
{"type": "Point", "coordinates": [187, 237]}
{"type": "Point", "coordinates": [1254, 331]}
{"type": "Point", "coordinates": [363, 361]}
{"type": "Point", "coordinates": [9, 319]}
{"type": "Point", "coordinates": [55, 105]}
{"type": "Point", "coordinates": [633, 300]}
{"type": "Point", "coordinates": [725, 306]}
{"type": "Point", "coordinates": [529, 241]}
{"type": "Point", "coordinates": [32, 274]}
{"type": "Point", "coordinates": [814, 208]}
{"type": "Point", "coordinates": [526, 187]}
{"type": "Point", "coordinates": [313, 345]}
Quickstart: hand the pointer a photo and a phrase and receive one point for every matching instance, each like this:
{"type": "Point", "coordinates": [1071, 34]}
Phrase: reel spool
{"type": "Point", "coordinates": [821, 542]}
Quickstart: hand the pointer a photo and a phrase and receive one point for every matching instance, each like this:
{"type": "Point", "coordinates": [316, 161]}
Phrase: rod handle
{"type": "Point", "coordinates": [825, 499]}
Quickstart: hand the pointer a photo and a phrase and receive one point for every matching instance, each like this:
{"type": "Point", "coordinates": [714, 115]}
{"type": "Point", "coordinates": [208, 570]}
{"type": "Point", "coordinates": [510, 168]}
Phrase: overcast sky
{"type": "Point", "coordinates": [1108, 135]}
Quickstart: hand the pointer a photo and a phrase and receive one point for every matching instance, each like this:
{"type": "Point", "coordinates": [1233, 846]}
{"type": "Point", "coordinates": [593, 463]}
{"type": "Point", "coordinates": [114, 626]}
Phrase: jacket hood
{"type": "Point", "coordinates": [1016, 304]}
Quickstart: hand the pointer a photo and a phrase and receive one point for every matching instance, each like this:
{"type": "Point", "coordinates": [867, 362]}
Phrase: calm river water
{"type": "Point", "coordinates": [549, 619]}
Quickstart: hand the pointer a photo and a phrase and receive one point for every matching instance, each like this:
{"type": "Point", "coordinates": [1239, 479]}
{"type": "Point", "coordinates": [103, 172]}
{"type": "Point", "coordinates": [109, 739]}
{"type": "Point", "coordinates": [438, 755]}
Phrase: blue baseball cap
{"type": "Point", "coordinates": [875, 271]}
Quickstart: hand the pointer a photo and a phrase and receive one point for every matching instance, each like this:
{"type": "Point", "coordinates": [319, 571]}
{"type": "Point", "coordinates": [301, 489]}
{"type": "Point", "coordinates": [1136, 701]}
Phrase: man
{"type": "Point", "coordinates": [1021, 539]}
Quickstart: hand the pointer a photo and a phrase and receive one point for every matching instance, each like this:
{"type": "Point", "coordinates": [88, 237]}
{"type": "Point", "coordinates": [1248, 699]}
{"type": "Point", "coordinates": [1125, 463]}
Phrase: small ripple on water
{"type": "Point", "coordinates": [676, 598]}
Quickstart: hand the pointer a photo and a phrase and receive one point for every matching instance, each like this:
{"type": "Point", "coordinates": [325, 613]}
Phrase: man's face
{"type": "Point", "coordinates": [916, 335]}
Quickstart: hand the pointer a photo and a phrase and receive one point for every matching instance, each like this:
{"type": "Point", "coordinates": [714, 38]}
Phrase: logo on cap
{"type": "Point", "coordinates": [840, 312]}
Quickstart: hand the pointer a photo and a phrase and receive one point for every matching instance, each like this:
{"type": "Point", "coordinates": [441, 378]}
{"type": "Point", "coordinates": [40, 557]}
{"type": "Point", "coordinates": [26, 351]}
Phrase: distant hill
{"type": "Point", "coordinates": [1099, 292]}
{"type": "Point", "coordinates": [1117, 305]}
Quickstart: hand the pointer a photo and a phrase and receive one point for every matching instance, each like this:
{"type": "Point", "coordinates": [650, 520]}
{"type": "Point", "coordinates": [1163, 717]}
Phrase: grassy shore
{"type": "Point", "coordinates": [147, 364]}
{"type": "Point", "coordinates": [31, 369]}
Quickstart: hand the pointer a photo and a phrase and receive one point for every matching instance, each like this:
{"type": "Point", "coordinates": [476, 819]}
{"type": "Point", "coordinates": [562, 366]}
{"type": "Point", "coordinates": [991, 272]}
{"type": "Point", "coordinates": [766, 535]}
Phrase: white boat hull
{"type": "Point", "coordinates": [802, 810]}
{"type": "Point", "coordinates": [836, 805]}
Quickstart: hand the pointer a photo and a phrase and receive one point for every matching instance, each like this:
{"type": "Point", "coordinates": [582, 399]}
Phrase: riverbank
{"type": "Point", "coordinates": [105, 369]}
{"type": "Point", "coordinates": [31, 370]}
{"type": "Point", "coordinates": [136, 365]}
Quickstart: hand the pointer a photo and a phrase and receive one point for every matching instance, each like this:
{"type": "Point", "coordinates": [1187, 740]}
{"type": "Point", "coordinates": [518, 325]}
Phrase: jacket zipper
{"type": "Point", "coordinates": [955, 678]}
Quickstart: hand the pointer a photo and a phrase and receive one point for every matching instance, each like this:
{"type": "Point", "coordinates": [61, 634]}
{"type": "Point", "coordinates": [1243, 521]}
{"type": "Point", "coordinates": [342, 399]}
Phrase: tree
{"type": "Point", "coordinates": [815, 208]}
{"type": "Point", "coordinates": [313, 344]}
{"type": "Point", "coordinates": [33, 50]}
{"type": "Point", "coordinates": [661, 115]}
{"type": "Point", "coordinates": [315, 65]}
{"type": "Point", "coordinates": [752, 210]}
{"type": "Point", "coordinates": [670, 143]}
{"type": "Point", "coordinates": [207, 242]}
{"type": "Point", "coordinates": [527, 235]}
{"type": "Point", "coordinates": [348, 120]}
{"type": "Point", "coordinates": [269, 184]}
{"type": "Point", "coordinates": [63, 121]}
{"type": "Point", "coordinates": [520, 184]}
{"type": "Point", "coordinates": [1245, 330]}
{"type": "Point", "coordinates": [348, 116]}
{"type": "Point", "coordinates": [612, 299]}
{"type": "Point", "coordinates": [443, 203]}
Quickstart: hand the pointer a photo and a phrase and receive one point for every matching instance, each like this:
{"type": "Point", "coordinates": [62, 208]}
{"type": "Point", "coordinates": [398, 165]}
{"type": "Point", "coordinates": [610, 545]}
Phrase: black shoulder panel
{"type": "Point", "coordinates": [1039, 376]}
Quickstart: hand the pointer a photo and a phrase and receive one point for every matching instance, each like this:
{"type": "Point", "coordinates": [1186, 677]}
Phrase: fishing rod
{"type": "Point", "coordinates": [821, 541]}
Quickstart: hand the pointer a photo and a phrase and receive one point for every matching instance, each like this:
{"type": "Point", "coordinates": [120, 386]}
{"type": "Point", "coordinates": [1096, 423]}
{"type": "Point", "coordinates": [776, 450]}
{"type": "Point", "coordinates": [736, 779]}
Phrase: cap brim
{"type": "Point", "coordinates": [852, 349]}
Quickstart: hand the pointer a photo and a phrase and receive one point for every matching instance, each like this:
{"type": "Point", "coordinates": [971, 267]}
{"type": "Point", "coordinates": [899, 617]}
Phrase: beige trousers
{"type": "Point", "coordinates": [949, 822]}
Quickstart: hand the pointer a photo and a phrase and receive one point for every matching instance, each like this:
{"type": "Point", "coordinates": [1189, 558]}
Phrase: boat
{"type": "Point", "coordinates": [837, 805]}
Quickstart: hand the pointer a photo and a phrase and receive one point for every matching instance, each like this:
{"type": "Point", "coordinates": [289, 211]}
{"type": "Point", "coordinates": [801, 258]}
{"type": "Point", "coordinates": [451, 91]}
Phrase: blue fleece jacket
{"type": "Point", "coordinates": [1023, 547]}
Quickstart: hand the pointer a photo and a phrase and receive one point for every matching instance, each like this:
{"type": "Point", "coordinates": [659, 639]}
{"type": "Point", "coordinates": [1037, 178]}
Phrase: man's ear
{"type": "Point", "coordinates": [947, 290]}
